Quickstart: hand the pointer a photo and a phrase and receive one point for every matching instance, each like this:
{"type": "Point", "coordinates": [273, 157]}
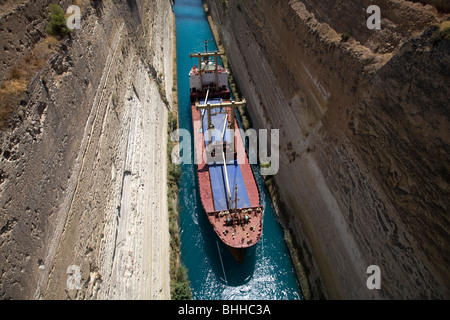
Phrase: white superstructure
{"type": "Point", "coordinates": [208, 77]}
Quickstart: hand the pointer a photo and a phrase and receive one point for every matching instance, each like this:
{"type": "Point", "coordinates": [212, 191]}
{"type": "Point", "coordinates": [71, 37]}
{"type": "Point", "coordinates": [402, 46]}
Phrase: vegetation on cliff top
{"type": "Point", "coordinates": [57, 25]}
{"type": "Point", "coordinates": [346, 36]}
{"type": "Point", "coordinates": [444, 30]}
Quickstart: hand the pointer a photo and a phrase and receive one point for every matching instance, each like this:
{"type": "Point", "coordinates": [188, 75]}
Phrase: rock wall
{"type": "Point", "coordinates": [364, 171]}
{"type": "Point", "coordinates": [83, 167]}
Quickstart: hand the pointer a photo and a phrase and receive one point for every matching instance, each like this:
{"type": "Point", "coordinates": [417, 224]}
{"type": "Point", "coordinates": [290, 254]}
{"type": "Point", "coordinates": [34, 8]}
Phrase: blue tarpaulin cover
{"type": "Point", "coordinates": [219, 186]}
{"type": "Point", "coordinates": [216, 170]}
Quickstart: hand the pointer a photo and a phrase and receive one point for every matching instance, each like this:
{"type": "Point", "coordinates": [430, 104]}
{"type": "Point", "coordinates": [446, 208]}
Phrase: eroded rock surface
{"type": "Point", "coordinates": [83, 165]}
{"type": "Point", "coordinates": [364, 135]}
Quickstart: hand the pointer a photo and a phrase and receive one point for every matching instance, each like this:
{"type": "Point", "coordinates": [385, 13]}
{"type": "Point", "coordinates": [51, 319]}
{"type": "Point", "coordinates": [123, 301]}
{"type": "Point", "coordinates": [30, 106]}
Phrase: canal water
{"type": "Point", "coordinates": [267, 272]}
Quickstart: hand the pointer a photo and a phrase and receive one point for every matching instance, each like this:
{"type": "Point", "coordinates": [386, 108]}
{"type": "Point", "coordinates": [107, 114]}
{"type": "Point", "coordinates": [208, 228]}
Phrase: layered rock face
{"type": "Point", "coordinates": [83, 167]}
{"type": "Point", "coordinates": [364, 135]}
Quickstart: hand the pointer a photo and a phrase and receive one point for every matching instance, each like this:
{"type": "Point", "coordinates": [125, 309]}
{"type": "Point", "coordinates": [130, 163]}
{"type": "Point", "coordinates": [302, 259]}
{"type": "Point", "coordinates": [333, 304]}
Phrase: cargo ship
{"type": "Point", "coordinates": [228, 190]}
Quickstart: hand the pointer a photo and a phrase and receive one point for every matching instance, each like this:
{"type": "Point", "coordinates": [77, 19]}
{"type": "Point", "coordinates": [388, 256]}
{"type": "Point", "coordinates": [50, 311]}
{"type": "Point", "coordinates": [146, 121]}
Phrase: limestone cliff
{"type": "Point", "coordinates": [83, 164]}
{"type": "Point", "coordinates": [364, 135]}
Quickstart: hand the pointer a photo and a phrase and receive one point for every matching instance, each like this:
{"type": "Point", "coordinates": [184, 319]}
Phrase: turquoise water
{"type": "Point", "coordinates": [267, 272]}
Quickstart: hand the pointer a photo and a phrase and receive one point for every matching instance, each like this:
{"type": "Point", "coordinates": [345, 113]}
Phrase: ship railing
{"type": "Point", "coordinates": [243, 217]}
{"type": "Point", "coordinates": [256, 211]}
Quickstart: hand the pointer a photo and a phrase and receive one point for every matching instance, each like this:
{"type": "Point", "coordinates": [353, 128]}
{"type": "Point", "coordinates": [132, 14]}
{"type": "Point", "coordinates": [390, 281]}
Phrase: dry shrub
{"type": "Point", "coordinates": [444, 30]}
{"type": "Point", "coordinates": [14, 87]}
{"type": "Point", "coordinates": [11, 93]}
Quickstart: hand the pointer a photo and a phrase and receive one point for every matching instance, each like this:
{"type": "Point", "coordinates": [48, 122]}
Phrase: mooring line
{"type": "Point", "coordinates": [221, 262]}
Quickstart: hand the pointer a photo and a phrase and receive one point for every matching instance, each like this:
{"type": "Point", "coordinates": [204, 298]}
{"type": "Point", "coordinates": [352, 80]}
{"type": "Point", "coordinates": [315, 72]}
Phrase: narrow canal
{"type": "Point", "coordinates": [267, 273]}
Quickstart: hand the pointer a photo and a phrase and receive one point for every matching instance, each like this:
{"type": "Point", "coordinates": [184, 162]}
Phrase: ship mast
{"type": "Point", "coordinates": [225, 164]}
{"type": "Point", "coordinates": [236, 200]}
{"type": "Point", "coordinates": [232, 105]}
